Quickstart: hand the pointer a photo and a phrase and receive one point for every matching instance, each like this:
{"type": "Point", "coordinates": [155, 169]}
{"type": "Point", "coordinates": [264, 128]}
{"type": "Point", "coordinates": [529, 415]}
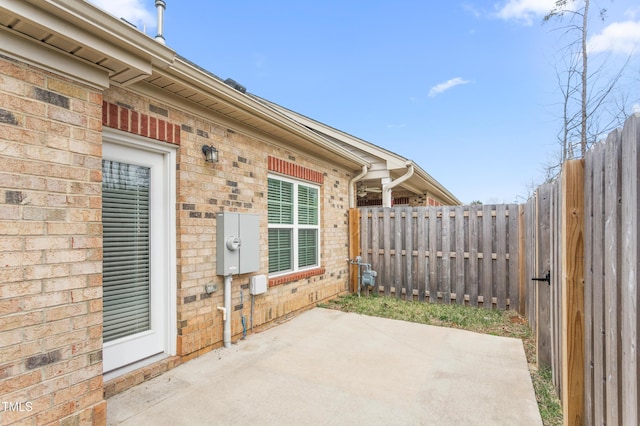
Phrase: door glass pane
{"type": "Point", "coordinates": [126, 272]}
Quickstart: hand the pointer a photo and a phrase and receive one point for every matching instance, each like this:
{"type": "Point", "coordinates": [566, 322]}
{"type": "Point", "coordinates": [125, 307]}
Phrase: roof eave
{"type": "Point", "coordinates": [209, 85]}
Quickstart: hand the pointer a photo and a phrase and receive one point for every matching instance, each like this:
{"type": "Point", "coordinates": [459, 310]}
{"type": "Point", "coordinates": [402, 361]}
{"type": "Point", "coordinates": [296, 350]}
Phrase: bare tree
{"type": "Point", "coordinates": [589, 106]}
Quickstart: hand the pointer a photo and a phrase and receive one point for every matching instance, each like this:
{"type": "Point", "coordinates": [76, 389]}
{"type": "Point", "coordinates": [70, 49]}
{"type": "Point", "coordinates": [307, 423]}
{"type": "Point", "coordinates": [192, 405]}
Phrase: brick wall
{"type": "Point", "coordinates": [50, 249]}
{"type": "Point", "coordinates": [237, 183]}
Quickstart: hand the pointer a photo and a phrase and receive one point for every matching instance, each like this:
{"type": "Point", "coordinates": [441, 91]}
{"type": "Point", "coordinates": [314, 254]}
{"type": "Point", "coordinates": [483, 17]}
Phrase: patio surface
{"type": "Point", "coordinates": [327, 367]}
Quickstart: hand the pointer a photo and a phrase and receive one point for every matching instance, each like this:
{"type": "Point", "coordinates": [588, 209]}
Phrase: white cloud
{"type": "Point", "coordinates": [442, 87]}
{"type": "Point", "coordinates": [472, 10]}
{"type": "Point", "coordinates": [618, 37]}
{"type": "Point", "coordinates": [632, 13]}
{"type": "Point", "coordinates": [523, 11]}
{"type": "Point", "coordinates": [133, 11]}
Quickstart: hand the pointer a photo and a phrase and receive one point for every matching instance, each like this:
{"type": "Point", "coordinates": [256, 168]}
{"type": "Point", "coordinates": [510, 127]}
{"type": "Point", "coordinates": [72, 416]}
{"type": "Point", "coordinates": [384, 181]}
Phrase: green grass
{"type": "Point", "coordinates": [480, 320]}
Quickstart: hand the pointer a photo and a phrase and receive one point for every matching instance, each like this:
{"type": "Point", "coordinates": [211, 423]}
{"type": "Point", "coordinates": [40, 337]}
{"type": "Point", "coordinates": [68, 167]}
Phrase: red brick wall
{"type": "Point", "coordinates": [50, 190]}
{"type": "Point", "coordinates": [50, 250]}
{"type": "Point", "coordinates": [238, 183]}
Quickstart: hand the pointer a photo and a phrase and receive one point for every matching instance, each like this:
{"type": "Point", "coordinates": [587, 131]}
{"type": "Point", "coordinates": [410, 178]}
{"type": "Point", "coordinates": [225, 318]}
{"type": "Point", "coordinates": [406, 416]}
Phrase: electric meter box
{"type": "Point", "coordinates": [237, 243]}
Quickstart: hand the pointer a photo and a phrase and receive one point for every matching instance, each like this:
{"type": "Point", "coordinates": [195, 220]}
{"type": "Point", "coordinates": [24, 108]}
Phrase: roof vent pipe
{"type": "Point", "coordinates": [161, 5]}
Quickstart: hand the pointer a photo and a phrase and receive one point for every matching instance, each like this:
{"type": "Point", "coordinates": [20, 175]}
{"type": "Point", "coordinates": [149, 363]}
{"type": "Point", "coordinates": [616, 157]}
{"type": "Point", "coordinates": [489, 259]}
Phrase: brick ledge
{"type": "Point", "coordinates": [295, 276]}
{"type": "Point", "coordinates": [128, 380]}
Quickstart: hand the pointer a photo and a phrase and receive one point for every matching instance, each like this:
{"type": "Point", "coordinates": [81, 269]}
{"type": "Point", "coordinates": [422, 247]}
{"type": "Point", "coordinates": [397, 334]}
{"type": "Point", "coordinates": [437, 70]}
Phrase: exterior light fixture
{"type": "Point", "coordinates": [210, 153]}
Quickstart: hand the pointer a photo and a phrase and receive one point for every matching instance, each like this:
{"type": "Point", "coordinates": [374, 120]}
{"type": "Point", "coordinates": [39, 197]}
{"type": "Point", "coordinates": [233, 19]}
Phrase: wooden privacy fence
{"type": "Point", "coordinates": [554, 247]}
{"type": "Point", "coordinates": [585, 230]}
{"type": "Point", "coordinates": [461, 254]}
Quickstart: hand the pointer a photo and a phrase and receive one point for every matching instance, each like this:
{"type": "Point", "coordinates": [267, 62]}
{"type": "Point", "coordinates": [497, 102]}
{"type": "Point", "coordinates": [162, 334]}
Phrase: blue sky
{"type": "Point", "coordinates": [467, 89]}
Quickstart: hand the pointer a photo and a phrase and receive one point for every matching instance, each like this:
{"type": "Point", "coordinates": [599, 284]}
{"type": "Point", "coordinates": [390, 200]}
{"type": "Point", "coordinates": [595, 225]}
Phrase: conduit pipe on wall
{"type": "Point", "coordinates": [387, 187]}
{"type": "Point", "coordinates": [352, 189]}
{"type": "Point", "coordinates": [226, 333]}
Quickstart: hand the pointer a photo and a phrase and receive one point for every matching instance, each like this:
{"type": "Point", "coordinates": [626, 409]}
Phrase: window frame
{"type": "Point", "coordinates": [296, 226]}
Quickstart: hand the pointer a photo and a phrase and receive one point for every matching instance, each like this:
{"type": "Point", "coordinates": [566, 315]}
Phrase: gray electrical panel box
{"type": "Point", "coordinates": [237, 243]}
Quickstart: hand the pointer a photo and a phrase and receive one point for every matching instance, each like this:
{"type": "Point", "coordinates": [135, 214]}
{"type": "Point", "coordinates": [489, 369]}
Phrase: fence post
{"type": "Point", "coordinates": [572, 249]}
{"type": "Point", "coordinates": [630, 274]}
{"type": "Point", "coordinates": [354, 247]}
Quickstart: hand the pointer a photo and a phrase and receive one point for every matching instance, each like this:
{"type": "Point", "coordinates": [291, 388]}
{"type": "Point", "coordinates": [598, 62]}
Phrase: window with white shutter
{"type": "Point", "coordinates": [294, 225]}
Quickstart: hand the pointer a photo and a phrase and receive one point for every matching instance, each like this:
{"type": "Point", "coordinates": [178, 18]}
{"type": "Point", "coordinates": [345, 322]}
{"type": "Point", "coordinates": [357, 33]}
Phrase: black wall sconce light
{"type": "Point", "coordinates": [210, 153]}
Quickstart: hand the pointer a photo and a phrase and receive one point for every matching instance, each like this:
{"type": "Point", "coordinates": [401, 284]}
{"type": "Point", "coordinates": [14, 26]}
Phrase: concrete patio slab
{"type": "Point", "coordinates": [326, 367]}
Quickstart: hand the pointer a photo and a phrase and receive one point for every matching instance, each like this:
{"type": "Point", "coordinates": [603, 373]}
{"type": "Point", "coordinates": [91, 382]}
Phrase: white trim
{"type": "Point", "coordinates": [168, 153]}
{"type": "Point", "coordinates": [23, 49]}
{"type": "Point", "coordinates": [295, 226]}
{"type": "Point", "coordinates": [132, 367]}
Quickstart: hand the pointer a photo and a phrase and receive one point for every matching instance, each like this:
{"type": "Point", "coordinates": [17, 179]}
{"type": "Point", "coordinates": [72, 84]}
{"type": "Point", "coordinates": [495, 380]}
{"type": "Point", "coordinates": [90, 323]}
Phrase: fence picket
{"type": "Point", "coordinates": [421, 279]}
{"type": "Point", "coordinates": [459, 250]}
{"type": "Point", "coordinates": [445, 275]}
{"type": "Point", "coordinates": [588, 290]}
{"type": "Point", "coordinates": [556, 289]}
{"type": "Point", "coordinates": [543, 298]}
{"type": "Point", "coordinates": [473, 255]}
{"type": "Point", "coordinates": [612, 209]}
{"type": "Point", "coordinates": [433, 255]}
{"type": "Point", "coordinates": [597, 283]}
{"type": "Point", "coordinates": [501, 256]}
{"type": "Point", "coordinates": [630, 251]}
{"type": "Point", "coordinates": [408, 261]}
{"type": "Point", "coordinates": [513, 290]}
{"type": "Point", "coordinates": [386, 223]}
{"type": "Point", "coordinates": [397, 246]}
{"type": "Point", "coordinates": [487, 258]}
{"type": "Point", "coordinates": [530, 244]}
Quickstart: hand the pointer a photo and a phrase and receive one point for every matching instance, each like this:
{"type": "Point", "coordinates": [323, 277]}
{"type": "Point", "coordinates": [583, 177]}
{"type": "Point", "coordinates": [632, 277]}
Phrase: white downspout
{"type": "Point", "coordinates": [386, 187]}
{"type": "Point", "coordinates": [352, 182]}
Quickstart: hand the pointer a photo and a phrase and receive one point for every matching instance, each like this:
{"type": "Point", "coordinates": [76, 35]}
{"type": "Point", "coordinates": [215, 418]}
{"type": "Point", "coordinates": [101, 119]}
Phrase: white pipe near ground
{"type": "Point", "coordinates": [226, 333]}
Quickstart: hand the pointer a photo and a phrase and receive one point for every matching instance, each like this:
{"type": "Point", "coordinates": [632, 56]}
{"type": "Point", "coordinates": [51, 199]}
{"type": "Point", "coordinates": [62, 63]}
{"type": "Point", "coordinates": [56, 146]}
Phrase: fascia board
{"type": "Point", "coordinates": [211, 86]}
{"type": "Point", "coordinates": [23, 48]}
{"type": "Point", "coordinates": [94, 29]}
{"type": "Point", "coordinates": [91, 17]}
{"type": "Point", "coordinates": [158, 94]}
{"type": "Point", "coordinates": [393, 160]}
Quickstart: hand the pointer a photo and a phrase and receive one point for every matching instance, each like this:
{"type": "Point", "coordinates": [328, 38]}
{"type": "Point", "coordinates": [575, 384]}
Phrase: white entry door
{"type": "Point", "coordinates": [137, 258]}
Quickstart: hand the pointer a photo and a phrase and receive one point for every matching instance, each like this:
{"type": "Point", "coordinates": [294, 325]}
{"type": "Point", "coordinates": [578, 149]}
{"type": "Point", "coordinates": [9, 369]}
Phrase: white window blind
{"type": "Point", "coordinates": [294, 221]}
{"type": "Point", "coordinates": [126, 243]}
